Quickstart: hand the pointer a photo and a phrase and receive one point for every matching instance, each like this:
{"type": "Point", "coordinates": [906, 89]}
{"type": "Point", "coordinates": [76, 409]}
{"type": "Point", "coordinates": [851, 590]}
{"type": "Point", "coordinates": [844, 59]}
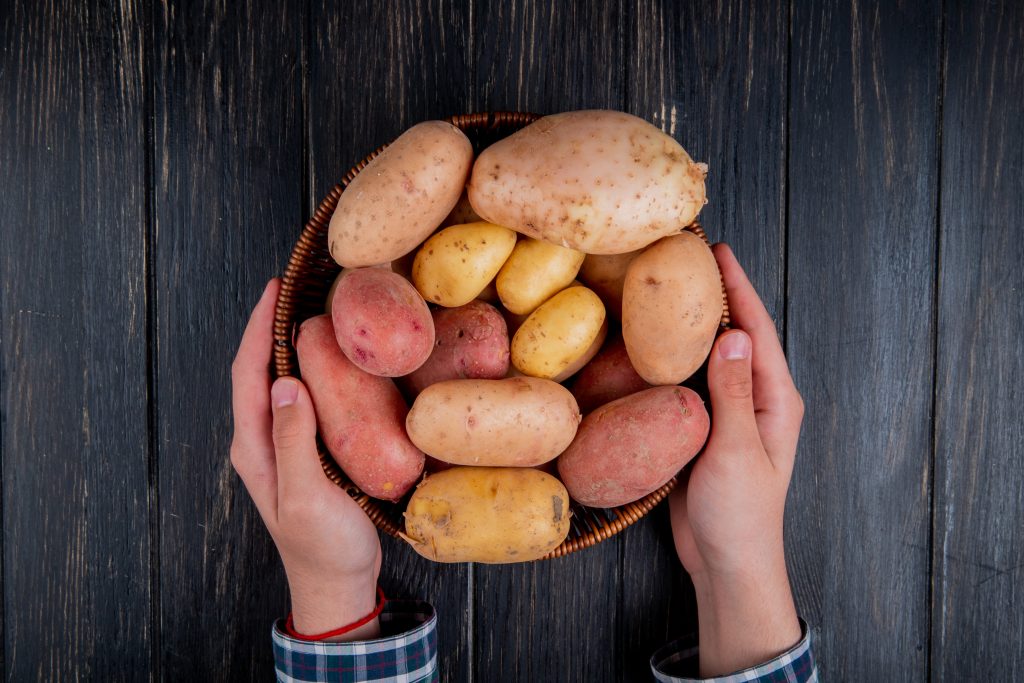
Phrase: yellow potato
{"type": "Point", "coordinates": [514, 422]}
{"type": "Point", "coordinates": [454, 266]}
{"type": "Point", "coordinates": [591, 351]}
{"type": "Point", "coordinates": [671, 308]}
{"type": "Point", "coordinates": [534, 272]}
{"type": "Point", "coordinates": [401, 196]}
{"type": "Point", "coordinates": [602, 182]}
{"type": "Point", "coordinates": [487, 514]}
{"type": "Point", "coordinates": [555, 335]}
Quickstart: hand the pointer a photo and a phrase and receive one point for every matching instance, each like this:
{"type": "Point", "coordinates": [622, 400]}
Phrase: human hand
{"type": "Point", "coordinates": [727, 518]}
{"type": "Point", "coordinates": [329, 547]}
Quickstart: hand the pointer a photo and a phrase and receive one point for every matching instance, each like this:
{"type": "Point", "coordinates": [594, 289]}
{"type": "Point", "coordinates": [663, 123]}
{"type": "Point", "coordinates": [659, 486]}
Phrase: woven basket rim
{"type": "Point", "coordinates": [590, 526]}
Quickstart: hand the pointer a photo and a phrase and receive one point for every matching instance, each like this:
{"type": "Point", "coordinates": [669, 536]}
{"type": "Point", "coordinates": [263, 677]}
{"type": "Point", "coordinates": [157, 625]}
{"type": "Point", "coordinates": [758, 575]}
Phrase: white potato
{"type": "Point", "coordinates": [600, 182]}
{"type": "Point", "coordinates": [401, 196]}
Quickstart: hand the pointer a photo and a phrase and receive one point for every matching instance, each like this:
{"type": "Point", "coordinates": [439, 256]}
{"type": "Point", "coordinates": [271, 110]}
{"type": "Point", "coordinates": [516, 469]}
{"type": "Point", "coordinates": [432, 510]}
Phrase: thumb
{"type": "Point", "coordinates": [731, 386]}
{"type": "Point", "coordinates": [298, 464]}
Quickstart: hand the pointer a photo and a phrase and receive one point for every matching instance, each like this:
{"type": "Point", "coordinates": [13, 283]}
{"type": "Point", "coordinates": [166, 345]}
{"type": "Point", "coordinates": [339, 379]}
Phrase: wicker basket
{"type": "Point", "coordinates": [308, 276]}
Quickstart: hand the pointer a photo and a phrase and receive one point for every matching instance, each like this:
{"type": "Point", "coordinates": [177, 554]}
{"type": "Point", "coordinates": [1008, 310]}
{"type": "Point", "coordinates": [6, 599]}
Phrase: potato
{"type": "Point", "coordinates": [462, 213]}
{"type": "Point", "coordinates": [582, 361]}
{"type": "Point", "coordinates": [556, 334]}
{"type": "Point", "coordinates": [382, 323]}
{"type": "Point", "coordinates": [455, 265]}
{"type": "Point", "coordinates": [487, 514]}
{"type": "Point", "coordinates": [489, 293]}
{"type": "Point", "coordinates": [601, 182]}
{"type": "Point", "coordinates": [471, 342]}
{"type": "Point", "coordinates": [512, 320]}
{"type": "Point", "coordinates": [329, 302]}
{"type": "Point", "coordinates": [515, 422]}
{"type": "Point", "coordinates": [401, 196]}
{"type": "Point", "coordinates": [633, 446]}
{"type": "Point", "coordinates": [534, 272]}
{"type": "Point", "coordinates": [361, 416]}
{"type": "Point", "coordinates": [609, 376]}
{"type": "Point", "coordinates": [671, 308]}
{"type": "Point", "coordinates": [606, 275]}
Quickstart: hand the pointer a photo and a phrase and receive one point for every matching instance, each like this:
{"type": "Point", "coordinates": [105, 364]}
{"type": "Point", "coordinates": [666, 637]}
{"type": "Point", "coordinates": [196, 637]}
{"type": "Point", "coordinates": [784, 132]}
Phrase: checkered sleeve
{"type": "Point", "coordinates": [406, 652]}
{"type": "Point", "coordinates": [677, 663]}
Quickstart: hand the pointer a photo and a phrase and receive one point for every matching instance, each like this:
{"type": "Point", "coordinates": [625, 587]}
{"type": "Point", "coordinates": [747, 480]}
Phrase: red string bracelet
{"type": "Point", "coordinates": [290, 629]}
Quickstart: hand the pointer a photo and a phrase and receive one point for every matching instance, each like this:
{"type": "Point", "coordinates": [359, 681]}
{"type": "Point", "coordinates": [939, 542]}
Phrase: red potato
{"type": "Point", "coordinates": [361, 416]}
{"type": "Point", "coordinates": [471, 342]}
{"type": "Point", "coordinates": [606, 378]}
{"type": "Point", "coordinates": [633, 446]}
{"type": "Point", "coordinates": [382, 323]}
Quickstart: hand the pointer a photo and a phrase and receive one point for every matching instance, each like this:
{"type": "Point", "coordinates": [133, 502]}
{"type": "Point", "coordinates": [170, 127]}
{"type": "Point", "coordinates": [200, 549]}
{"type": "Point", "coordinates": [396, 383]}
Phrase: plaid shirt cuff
{"type": "Point", "coordinates": [677, 663]}
{"type": "Point", "coordinates": [407, 652]}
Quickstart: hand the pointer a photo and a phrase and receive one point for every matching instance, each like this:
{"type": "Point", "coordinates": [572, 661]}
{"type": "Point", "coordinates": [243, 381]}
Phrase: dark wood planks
{"type": "Point", "coordinates": [713, 75]}
{"type": "Point", "coordinates": [862, 178]}
{"type": "Point", "coordinates": [227, 206]}
{"type": "Point", "coordinates": [375, 70]}
{"type": "Point", "coordinates": [556, 620]}
{"type": "Point", "coordinates": [76, 542]}
{"type": "Point", "coordinates": [978, 571]}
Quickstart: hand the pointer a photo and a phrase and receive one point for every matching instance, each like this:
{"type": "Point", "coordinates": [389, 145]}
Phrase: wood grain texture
{"type": "Point", "coordinates": [228, 136]}
{"type": "Point", "coordinates": [556, 620]}
{"type": "Point", "coordinates": [76, 543]}
{"type": "Point", "coordinates": [712, 75]}
{"type": "Point", "coordinates": [375, 70]}
{"type": "Point", "coordinates": [862, 182]}
{"type": "Point", "coordinates": [978, 571]}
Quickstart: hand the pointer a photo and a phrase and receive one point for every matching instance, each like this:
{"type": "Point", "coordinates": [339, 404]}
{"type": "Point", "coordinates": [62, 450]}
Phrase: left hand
{"type": "Point", "coordinates": [727, 516]}
{"type": "Point", "coordinates": [329, 547]}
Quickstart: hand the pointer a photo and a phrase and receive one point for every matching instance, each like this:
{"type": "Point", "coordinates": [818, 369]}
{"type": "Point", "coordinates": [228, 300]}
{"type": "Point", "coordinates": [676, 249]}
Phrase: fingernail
{"type": "Point", "coordinates": [734, 346]}
{"type": "Point", "coordinates": [284, 392]}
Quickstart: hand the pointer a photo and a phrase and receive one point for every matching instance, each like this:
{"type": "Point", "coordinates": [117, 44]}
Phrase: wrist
{"type": "Point", "coordinates": [319, 606]}
{"type": "Point", "coordinates": [746, 617]}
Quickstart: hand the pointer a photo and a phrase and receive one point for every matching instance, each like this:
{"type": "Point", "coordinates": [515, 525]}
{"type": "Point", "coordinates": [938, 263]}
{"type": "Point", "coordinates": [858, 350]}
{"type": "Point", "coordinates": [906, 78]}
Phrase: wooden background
{"type": "Point", "coordinates": [159, 158]}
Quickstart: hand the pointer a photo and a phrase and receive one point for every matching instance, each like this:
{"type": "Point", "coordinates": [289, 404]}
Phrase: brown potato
{"type": "Point", "coordinates": [361, 416]}
{"type": "Point", "coordinates": [471, 342]}
{"type": "Point", "coordinates": [633, 446]}
{"type": "Point", "coordinates": [382, 323]}
{"type": "Point", "coordinates": [671, 308]}
{"type": "Point", "coordinates": [514, 422]}
{"type": "Point", "coordinates": [487, 514]}
{"type": "Point", "coordinates": [606, 275]}
{"type": "Point", "coordinates": [462, 213]}
{"type": "Point", "coordinates": [401, 196]}
{"type": "Point", "coordinates": [608, 377]}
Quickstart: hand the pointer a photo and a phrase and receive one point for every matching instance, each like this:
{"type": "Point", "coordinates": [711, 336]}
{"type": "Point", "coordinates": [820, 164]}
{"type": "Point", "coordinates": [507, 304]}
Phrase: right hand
{"type": "Point", "coordinates": [329, 547]}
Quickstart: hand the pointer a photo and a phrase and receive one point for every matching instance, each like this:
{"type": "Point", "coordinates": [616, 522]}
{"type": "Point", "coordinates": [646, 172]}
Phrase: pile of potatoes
{"type": "Point", "coordinates": [538, 306]}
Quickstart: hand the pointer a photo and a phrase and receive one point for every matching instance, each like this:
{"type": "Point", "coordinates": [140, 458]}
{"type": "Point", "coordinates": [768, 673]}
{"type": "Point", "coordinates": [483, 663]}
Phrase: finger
{"type": "Point", "coordinates": [776, 402]}
{"type": "Point", "coordinates": [250, 376]}
{"type": "Point", "coordinates": [299, 473]}
{"type": "Point", "coordinates": [734, 427]}
{"type": "Point", "coordinates": [252, 449]}
{"type": "Point", "coordinates": [748, 313]}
